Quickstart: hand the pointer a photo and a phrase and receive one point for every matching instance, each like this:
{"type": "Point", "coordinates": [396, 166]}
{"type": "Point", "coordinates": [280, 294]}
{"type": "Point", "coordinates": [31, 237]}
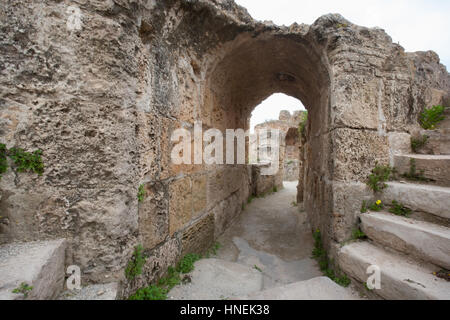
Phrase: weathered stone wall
{"type": "Point", "coordinates": [288, 125]}
{"type": "Point", "coordinates": [102, 100]}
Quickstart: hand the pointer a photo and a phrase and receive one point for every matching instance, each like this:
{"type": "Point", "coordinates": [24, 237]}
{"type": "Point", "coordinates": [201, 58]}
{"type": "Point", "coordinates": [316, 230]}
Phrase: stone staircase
{"type": "Point", "coordinates": [40, 266]}
{"type": "Point", "coordinates": [410, 252]}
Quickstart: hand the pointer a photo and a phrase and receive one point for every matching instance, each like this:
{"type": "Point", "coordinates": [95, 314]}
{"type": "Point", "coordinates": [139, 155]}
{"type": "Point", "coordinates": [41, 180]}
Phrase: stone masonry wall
{"type": "Point", "coordinates": [100, 86]}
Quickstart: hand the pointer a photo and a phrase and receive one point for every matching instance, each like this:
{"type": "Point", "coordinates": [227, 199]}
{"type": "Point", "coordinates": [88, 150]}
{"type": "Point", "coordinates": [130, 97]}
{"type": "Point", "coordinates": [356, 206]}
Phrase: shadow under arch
{"type": "Point", "coordinates": [251, 69]}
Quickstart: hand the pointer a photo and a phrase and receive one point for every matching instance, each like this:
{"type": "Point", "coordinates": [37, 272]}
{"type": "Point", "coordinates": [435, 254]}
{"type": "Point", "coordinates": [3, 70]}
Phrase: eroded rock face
{"type": "Point", "coordinates": [100, 86]}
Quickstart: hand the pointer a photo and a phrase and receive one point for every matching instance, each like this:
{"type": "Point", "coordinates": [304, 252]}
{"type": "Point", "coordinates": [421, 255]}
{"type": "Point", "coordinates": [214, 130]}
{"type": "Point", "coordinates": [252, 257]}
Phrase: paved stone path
{"type": "Point", "coordinates": [265, 253]}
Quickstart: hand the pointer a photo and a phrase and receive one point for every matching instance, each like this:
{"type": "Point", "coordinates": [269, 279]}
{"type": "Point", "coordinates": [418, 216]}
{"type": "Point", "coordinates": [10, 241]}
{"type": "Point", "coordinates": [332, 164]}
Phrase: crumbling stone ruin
{"type": "Point", "coordinates": [100, 86]}
{"type": "Point", "coordinates": [291, 142]}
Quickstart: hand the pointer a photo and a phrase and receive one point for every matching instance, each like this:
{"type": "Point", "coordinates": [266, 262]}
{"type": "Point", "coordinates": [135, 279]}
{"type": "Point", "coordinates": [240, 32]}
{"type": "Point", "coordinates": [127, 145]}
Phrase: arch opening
{"type": "Point", "coordinates": [251, 70]}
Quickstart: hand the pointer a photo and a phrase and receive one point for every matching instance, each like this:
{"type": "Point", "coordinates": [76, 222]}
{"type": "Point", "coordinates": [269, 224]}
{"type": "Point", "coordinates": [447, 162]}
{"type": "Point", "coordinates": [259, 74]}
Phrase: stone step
{"type": "Point", "coordinates": [445, 124]}
{"type": "Point", "coordinates": [434, 167]}
{"type": "Point", "coordinates": [438, 142]}
{"type": "Point", "coordinates": [419, 197]}
{"type": "Point", "coordinates": [424, 240]}
{"type": "Point", "coordinates": [38, 264]}
{"type": "Point", "coordinates": [92, 292]}
{"type": "Point", "coordinates": [214, 279]}
{"type": "Point", "coordinates": [402, 278]}
{"type": "Point", "coordinates": [320, 288]}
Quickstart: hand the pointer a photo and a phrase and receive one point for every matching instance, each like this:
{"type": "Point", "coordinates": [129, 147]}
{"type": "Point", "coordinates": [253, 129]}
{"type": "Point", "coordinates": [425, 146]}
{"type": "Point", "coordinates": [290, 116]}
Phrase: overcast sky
{"type": "Point", "coordinates": [418, 25]}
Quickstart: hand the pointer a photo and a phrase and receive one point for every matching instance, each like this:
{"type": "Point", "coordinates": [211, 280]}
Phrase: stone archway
{"type": "Point", "coordinates": [102, 100]}
{"type": "Point", "coordinates": [251, 68]}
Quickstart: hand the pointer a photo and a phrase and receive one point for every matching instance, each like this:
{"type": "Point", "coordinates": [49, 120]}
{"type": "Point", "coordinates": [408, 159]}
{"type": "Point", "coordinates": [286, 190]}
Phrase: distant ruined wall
{"type": "Point", "coordinates": [100, 86]}
{"type": "Point", "coordinates": [288, 125]}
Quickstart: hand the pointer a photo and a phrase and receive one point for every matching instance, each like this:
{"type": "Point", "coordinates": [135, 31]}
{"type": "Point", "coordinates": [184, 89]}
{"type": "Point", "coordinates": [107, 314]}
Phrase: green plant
{"type": "Point", "coordinates": [186, 264]}
{"type": "Point", "coordinates": [24, 289]}
{"type": "Point", "coordinates": [417, 143]}
{"type": "Point", "coordinates": [24, 161]}
{"type": "Point", "coordinates": [171, 280]}
{"type": "Point", "coordinates": [302, 124]}
{"type": "Point", "coordinates": [325, 264]}
{"type": "Point", "coordinates": [3, 159]}
{"type": "Point", "coordinates": [250, 199]}
{"type": "Point", "coordinates": [364, 208]}
{"type": "Point", "coordinates": [431, 117]}
{"type": "Point", "coordinates": [141, 193]}
{"type": "Point", "coordinates": [357, 234]}
{"type": "Point", "coordinates": [27, 160]}
{"type": "Point", "coordinates": [257, 268]}
{"type": "Point", "coordinates": [294, 204]}
{"type": "Point", "coordinates": [149, 293]}
{"type": "Point", "coordinates": [136, 263]}
{"type": "Point", "coordinates": [275, 189]}
{"type": "Point", "coordinates": [341, 25]}
{"type": "Point", "coordinates": [213, 250]}
{"type": "Point", "coordinates": [399, 209]}
{"type": "Point", "coordinates": [412, 174]}
{"type": "Point", "coordinates": [376, 206]}
{"type": "Point", "coordinates": [377, 179]}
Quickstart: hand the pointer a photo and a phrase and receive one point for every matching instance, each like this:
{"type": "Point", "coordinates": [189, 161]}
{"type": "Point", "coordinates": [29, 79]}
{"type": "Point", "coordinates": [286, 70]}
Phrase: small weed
{"type": "Point", "coordinates": [167, 283]}
{"type": "Point", "coordinates": [294, 204]}
{"type": "Point", "coordinates": [321, 256]}
{"type": "Point", "coordinates": [376, 206]}
{"type": "Point", "coordinates": [364, 208]}
{"type": "Point", "coordinates": [377, 179]}
{"type": "Point", "coordinates": [257, 268]}
{"type": "Point", "coordinates": [399, 209]}
{"type": "Point", "coordinates": [250, 199]}
{"type": "Point", "coordinates": [3, 159]}
{"type": "Point", "coordinates": [24, 161]}
{"type": "Point", "coordinates": [213, 250]}
{"type": "Point", "coordinates": [418, 143]}
{"type": "Point", "coordinates": [141, 193]}
{"type": "Point", "coordinates": [341, 25]}
{"type": "Point", "coordinates": [149, 293]}
{"type": "Point", "coordinates": [302, 124]}
{"type": "Point", "coordinates": [137, 261]}
{"type": "Point", "coordinates": [430, 118]}
{"type": "Point", "coordinates": [186, 264]}
{"type": "Point", "coordinates": [443, 274]}
{"type": "Point", "coordinates": [24, 289]}
{"type": "Point", "coordinates": [413, 175]}
{"type": "Point", "coordinates": [171, 280]}
{"type": "Point", "coordinates": [357, 234]}
{"type": "Point", "coordinates": [275, 189]}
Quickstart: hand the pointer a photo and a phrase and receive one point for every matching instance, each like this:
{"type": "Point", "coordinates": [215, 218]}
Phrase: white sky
{"type": "Point", "coordinates": [418, 25]}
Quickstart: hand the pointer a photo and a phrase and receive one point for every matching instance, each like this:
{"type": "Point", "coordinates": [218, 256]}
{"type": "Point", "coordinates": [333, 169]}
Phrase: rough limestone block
{"type": "Point", "coordinates": [199, 198]}
{"type": "Point", "coordinates": [180, 204]}
{"type": "Point", "coordinates": [357, 152]}
{"type": "Point", "coordinates": [434, 167]}
{"type": "Point", "coordinates": [154, 215]}
{"type": "Point", "coordinates": [419, 197]}
{"type": "Point", "coordinates": [199, 237]}
{"type": "Point", "coordinates": [39, 264]}
{"type": "Point", "coordinates": [401, 279]}
{"type": "Point", "coordinates": [399, 143]}
{"type": "Point", "coordinates": [424, 240]}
